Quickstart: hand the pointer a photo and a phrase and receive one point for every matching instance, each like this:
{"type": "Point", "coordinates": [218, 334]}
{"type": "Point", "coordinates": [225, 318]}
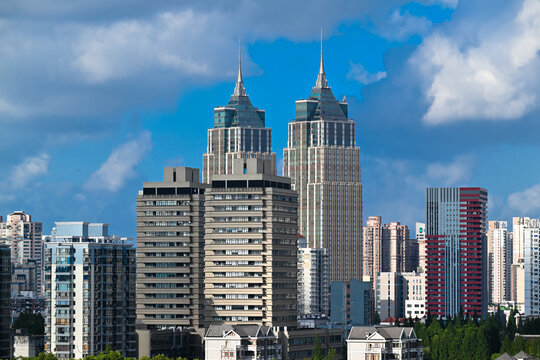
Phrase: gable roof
{"type": "Point", "coordinates": [248, 330]}
{"type": "Point", "coordinates": [387, 332]}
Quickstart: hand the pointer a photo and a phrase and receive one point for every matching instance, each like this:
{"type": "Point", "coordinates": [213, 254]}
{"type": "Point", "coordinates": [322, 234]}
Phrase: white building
{"type": "Point", "coordinates": [383, 342]}
{"type": "Point", "coordinates": [89, 291]}
{"type": "Point", "coordinates": [421, 239]}
{"type": "Point", "coordinates": [246, 342]}
{"type": "Point", "coordinates": [414, 285]}
{"type": "Point", "coordinates": [500, 261]}
{"type": "Point", "coordinates": [313, 280]}
{"type": "Point", "coordinates": [526, 265]}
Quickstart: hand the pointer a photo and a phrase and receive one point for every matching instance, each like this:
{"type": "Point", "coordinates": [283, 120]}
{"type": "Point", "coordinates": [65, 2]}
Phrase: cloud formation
{"type": "Point", "coordinates": [527, 200]}
{"type": "Point", "coordinates": [358, 73]}
{"type": "Point", "coordinates": [120, 165]}
{"type": "Point", "coordinates": [30, 170]}
{"type": "Point", "coordinates": [493, 78]}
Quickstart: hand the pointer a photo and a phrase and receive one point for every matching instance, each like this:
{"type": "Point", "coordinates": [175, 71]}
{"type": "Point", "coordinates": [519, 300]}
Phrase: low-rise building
{"type": "Point", "coordinates": [27, 345]}
{"type": "Point", "coordinates": [383, 342]}
{"type": "Point", "coordinates": [246, 342]}
{"type": "Point", "coordinates": [298, 344]}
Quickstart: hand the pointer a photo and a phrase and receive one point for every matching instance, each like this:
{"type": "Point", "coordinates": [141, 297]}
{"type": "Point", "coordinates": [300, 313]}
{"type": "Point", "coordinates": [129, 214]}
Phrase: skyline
{"type": "Point", "coordinates": [78, 144]}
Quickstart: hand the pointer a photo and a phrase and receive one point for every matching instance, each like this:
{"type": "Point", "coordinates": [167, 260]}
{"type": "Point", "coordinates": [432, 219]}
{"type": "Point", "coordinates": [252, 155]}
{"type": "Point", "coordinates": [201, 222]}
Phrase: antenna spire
{"type": "Point", "coordinates": [239, 89]}
{"type": "Point", "coordinates": [321, 78]}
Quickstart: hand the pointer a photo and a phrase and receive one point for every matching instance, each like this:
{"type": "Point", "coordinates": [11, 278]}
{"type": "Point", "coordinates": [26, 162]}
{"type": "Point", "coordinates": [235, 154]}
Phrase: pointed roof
{"type": "Point", "coordinates": [321, 78]}
{"type": "Point", "coordinates": [239, 89]}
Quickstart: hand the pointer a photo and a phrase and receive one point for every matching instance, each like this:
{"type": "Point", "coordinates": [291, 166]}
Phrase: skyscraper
{"type": "Point", "coordinates": [313, 280]}
{"type": "Point", "coordinates": [170, 254]}
{"type": "Point", "coordinates": [5, 302]}
{"type": "Point", "coordinates": [421, 240]}
{"type": "Point", "coordinates": [323, 162]}
{"type": "Point", "coordinates": [250, 247]}
{"type": "Point", "coordinates": [24, 238]}
{"type": "Point", "coordinates": [372, 248]}
{"type": "Point", "coordinates": [499, 261]}
{"type": "Point", "coordinates": [395, 237]}
{"type": "Point", "coordinates": [456, 251]}
{"type": "Point", "coordinates": [239, 133]}
{"type": "Point", "coordinates": [89, 291]}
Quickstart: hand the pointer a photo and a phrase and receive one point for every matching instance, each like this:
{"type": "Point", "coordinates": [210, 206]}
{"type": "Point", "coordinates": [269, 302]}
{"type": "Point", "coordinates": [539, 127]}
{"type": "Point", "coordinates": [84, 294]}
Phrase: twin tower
{"type": "Point", "coordinates": [321, 158]}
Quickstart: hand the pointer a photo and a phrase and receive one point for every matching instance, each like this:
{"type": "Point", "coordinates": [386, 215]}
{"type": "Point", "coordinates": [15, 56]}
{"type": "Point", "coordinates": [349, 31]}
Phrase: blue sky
{"type": "Point", "coordinates": [96, 98]}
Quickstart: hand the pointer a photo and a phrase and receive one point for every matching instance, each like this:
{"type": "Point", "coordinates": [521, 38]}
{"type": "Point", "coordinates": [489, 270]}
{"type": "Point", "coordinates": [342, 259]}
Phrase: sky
{"type": "Point", "coordinates": [97, 97]}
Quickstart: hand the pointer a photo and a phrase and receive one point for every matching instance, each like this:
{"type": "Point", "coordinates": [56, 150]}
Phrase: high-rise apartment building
{"type": "Point", "coordinates": [525, 271]}
{"type": "Point", "coordinates": [352, 303]}
{"type": "Point", "coordinates": [313, 280]}
{"type": "Point", "coordinates": [89, 291]}
{"type": "Point", "coordinates": [409, 255]}
{"type": "Point", "coordinates": [499, 261]}
{"type": "Point", "coordinates": [251, 235]}
{"type": "Point", "coordinates": [390, 291]}
{"type": "Point", "coordinates": [5, 302]}
{"type": "Point", "coordinates": [372, 248]}
{"type": "Point", "coordinates": [24, 237]}
{"type": "Point", "coordinates": [421, 240]}
{"type": "Point", "coordinates": [170, 251]}
{"type": "Point", "coordinates": [239, 133]}
{"type": "Point", "coordinates": [414, 286]}
{"type": "Point", "coordinates": [323, 162]}
{"type": "Point", "coordinates": [395, 236]}
{"type": "Point", "coordinates": [456, 251]}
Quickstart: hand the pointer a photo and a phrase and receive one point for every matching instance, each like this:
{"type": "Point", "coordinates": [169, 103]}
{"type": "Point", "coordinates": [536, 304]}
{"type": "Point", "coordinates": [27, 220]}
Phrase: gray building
{"type": "Point", "coordinates": [5, 302]}
{"type": "Point", "coordinates": [89, 291]}
{"type": "Point", "coordinates": [351, 303]}
{"type": "Point", "coordinates": [250, 247]}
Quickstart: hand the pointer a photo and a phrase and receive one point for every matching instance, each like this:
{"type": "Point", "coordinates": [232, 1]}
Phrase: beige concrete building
{"type": "Point", "coordinates": [390, 291]}
{"type": "Point", "coordinates": [414, 286]}
{"type": "Point", "coordinates": [250, 247]}
{"type": "Point", "coordinates": [323, 162]}
{"type": "Point", "coordinates": [170, 251]}
{"type": "Point", "coordinates": [499, 261]}
{"type": "Point", "coordinates": [24, 237]}
{"type": "Point", "coordinates": [372, 248]}
{"type": "Point", "coordinates": [395, 236]}
{"type": "Point", "coordinates": [239, 133]}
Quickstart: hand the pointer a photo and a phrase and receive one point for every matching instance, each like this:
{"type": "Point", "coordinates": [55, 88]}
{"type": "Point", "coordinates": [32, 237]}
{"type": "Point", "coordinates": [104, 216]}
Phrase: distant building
{"type": "Point", "coordinates": [374, 254]}
{"type": "Point", "coordinates": [525, 270]}
{"type": "Point", "coordinates": [239, 133]}
{"type": "Point", "coordinates": [456, 251]}
{"type": "Point", "coordinates": [500, 261]}
{"type": "Point", "coordinates": [313, 280]}
{"type": "Point", "coordinates": [421, 240]}
{"type": "Point", "coordinates": [89, 291]}
{"type": "Point", "coordinates": [323, 162]}
{"type": "Point", "coordinates": [24, 237]}
{"type": "Point", "coordinates": [395, 236]}
{"type": "Point", "coordinates": [26, 345]}
{"type": "Point", "coordinates": [414, 287]}
{"type": "Point", "coordinates": [410, 256]}
{"type": "Point", "coordinates": [246, 342]}
{"type": "Point", "coordinates": [5, 302]}
{"type": "Point", "coordinates": [390, 299]}
{"type": "Point", "coordinates": [250, 248]}
{"type": "Point", "coordinates": [384, 342]}
{"type": "Point", "coordinates": [298, 344]}
{"type": "Point", "coordinates": [351, 303]}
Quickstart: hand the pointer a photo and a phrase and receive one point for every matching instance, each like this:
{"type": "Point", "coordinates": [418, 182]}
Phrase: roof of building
{"type": "Point", "coordinates": [387, 332]}
{"type": "Point", "coordinates": [522, 355]}
{"type": "Point", "coordinates": [505, 356]}
{"type": "Point", "coordinates": [248, 330]}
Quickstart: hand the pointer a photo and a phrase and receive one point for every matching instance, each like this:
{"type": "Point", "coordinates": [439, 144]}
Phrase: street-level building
{"type": "Point", "coordinates": [246, 342]}
{"type": "Point", "coordinates": [251, 247]}
{"type": "Point", "coordinates": [89, 291]}
{"type": "Point", "coordinates": [383, 342]}
{"type": "Point", "coordinates": [323, 162]}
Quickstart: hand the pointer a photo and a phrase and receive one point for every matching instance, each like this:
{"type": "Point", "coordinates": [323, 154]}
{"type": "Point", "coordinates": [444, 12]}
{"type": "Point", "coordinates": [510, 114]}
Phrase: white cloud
{"type": "Point", "coordinates": [120, 165]}
{"type": "Point", "coordinates": [438, 174]}
{"type": "Point", "coordinates": [358, 73]}
{"type": "Point", "coordinates": [31, 169]}
{"type": "Point", "coordinates": [496, 78]}
{"type": "Point", "coordinates": [527, 200]}
{"type": "Point", "coordinates": [402, 25]}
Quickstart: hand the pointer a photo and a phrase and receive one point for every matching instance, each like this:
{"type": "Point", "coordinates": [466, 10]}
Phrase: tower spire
{"type": "Point", "coordinates": [239, 89]}
{"type": "Point", "coordinates": [321, 78]}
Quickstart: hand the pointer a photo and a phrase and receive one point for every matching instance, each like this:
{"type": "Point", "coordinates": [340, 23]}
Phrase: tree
{"type": "Point", "coordinates": [33, 323]}
{"type": "Point", "coordinates": [317, 350]}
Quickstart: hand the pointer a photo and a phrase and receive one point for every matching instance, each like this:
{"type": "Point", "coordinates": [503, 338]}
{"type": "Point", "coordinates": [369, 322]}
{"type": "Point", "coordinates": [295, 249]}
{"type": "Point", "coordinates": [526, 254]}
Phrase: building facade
{"type": "Point", "coordinates": [395, 236]}
{"type": "Point", "coordinates": [89, 291]}
{"type": "Point", "coordinates": [5, 302]}
{"type": "Point", "coordinates": [390, 296]}
{"type": "Point", "coordinates": [456, 251]}
{"type": "Point", "coordinates": [239, 133]}
{"type": "Point", "coordinates": [25, 240]}
{"type": "Point", "coordinates": [251, 235]}
{"type": "Point", "coordinates": [246, 342]}
{"type": "Point", "coordinates": [170, 251]}
{"type": "Point", "coordinates": [525, 271]}
{"type": "Point", "coordinates": [421, 240]}
{"type": "Point", "coordinates": [313, 280]}
{"type": "Point", "coordinates": [500, 261]}
{"type": "Point", "coordinates": [323, 162]}
{"type": "Point", "coordinates": [384, 342]}
{"type": "Point", "coordinates": [352, 303]}
{"type": "Point", "coordinates": [372, 249]}
{"type": "Point", "coordinates": [414, 285]}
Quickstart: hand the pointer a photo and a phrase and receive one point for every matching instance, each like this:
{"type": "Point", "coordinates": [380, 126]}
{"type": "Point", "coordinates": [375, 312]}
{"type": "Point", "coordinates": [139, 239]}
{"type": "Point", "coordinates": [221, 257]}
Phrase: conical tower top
{"type": "Point", "coordinates": [239, 89]}
{"type": "Point", "coordinates": [321, 78]}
